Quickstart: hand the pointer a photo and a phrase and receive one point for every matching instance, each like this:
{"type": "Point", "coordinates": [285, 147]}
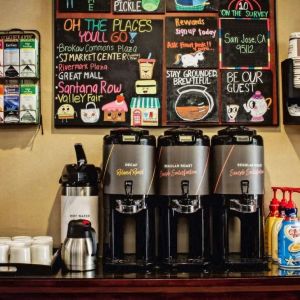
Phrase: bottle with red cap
{"type": "Point", "coordinates": [273, 214]}
{"type": "Point", "coordinates": [289, 238]}
{"type": "Point", "coordinates": [277, 224]}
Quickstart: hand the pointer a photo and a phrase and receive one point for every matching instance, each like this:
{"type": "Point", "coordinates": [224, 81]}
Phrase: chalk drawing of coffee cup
{"type": "Point", "coordinates": [194, 103]}
{"type": "Point", "coordinates": [191, 5]}
{"type": "Point", "coordinates": [232, 111]}
{"type": "Point", "coordinates": [150, 5]}
{"type": "Point", "coordinates": [257, 106]}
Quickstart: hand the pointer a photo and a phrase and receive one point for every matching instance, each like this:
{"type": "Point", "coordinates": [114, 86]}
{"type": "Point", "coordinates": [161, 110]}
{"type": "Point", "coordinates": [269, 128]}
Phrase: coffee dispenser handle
{"type": "Point", "coordinates": [128, 185]}
{"type": "Point", "coordinates": [94, 242]}
{"type": "Point", "coordinates": [80, 155]}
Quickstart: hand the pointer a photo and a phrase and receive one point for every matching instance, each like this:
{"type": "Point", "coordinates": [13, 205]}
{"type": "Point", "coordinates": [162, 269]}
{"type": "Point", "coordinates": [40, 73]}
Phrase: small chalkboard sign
{"type": "Point", "coordinates": [192, 95]}
{"type": "Point", "coordinates": [108, 70]}
{"type": "Point", "coordinates": [254, 9]}
{"type": "Point", "coordinates": [84, 5]}
{"type": "Point", "coordinates": [247, 96]}
{"type": "Point", "coordinates": [139, 6]}
{"type": "Point", "coordinates": [192, 5]}
{"type": "Point", "coordinates": [244, 43]}
{"type": "Point", "coordinates": [192, 42]}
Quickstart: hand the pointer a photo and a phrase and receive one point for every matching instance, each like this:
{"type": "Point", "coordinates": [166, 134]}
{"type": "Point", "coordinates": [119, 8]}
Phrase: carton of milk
{"type": "Point", "coordinates": [28, 58]}
{"type": "Point", "coordinates": [29, 103]}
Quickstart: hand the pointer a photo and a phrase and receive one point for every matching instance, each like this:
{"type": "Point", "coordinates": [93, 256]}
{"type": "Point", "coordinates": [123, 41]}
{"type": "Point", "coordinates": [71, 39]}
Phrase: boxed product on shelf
{"type": "Point", "coordinates": [28, 57]}
{"type": "Point", "coordinates": [28, 103]}
{"type": "Point", "coordinates": [11, 58]}
{"type": "Point", "coordinates": [1, 58]}
{"type": "Point", "coordinates": [11, 103]}
{"type": "Point", "coordinates": [1, 103]}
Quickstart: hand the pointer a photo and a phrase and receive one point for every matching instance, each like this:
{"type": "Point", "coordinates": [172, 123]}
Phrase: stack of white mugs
{"type": "Point", "coordinates": [26, 250]}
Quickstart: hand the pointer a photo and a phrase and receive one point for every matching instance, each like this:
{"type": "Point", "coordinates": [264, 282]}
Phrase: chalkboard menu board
{"type": "Point", "coordinates": [103, 67]}
{"type": "Point", "coordinates": [84, 5]}
{"type": "Point", "coordinates": [192, 42]}
{"type": "Point", "coordinates": [153, 63]}
{"type": "Point", "coordinates": [138, 6]}
{"type": "Point", "coordinates": [244, 43]}
{"type": "Point", "coordinates": [192, 95]}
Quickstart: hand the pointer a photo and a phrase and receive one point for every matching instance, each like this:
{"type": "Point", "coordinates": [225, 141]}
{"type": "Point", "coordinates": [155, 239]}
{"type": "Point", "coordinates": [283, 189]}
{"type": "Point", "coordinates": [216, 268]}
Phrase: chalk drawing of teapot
{"type": "Point", "coordinates": [257, 106]}
{"type": "Point", "coordinates": [194, 103]}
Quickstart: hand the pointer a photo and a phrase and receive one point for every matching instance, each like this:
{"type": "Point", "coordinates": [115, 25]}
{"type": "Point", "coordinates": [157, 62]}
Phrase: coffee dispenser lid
{"type": "Point", "coordinates": [237, 130]}
{"type": "Point", "coordinates": [184, 131]}
{"type": "Point", "coordinates": [129, 131]}
{"type": "Point", "coordinates": [80, 229]}
{"type": "Point", "coordinates": [80, 173]}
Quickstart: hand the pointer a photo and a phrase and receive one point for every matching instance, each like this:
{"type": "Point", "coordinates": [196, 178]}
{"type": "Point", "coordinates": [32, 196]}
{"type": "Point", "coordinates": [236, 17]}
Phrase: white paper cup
{"type": "Point", "coordinates": [16, 244]}
{"type": "Point", "coordinates": [6, 238]}
{"type": "Point", "coordinates": [20, 255]}
{"type": "Point", "coordinates": [44, 240]}
{"type": "Point", "coordinates": [40, 254]}
{"type": "Point", "coordinates": [294, 45]}
{"type": "Point", "coordinates": [4, 250]}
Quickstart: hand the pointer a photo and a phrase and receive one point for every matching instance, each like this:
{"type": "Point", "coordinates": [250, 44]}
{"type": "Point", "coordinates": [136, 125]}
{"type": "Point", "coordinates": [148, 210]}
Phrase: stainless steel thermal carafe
{"type": "Point", "coordinates": [79, 250]}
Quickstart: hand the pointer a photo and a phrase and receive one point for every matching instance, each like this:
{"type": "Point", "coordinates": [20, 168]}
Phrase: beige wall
{"type": "Point", "coordinates": [31, 163]}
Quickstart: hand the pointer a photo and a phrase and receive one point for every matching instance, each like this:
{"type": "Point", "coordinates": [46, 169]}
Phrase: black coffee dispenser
{"type": "Point", "coordinates": [128, 185]}
{"type": "Point", "coordinates": [238, 188]}
{"type": "Point", "coordinates": [183, 181]}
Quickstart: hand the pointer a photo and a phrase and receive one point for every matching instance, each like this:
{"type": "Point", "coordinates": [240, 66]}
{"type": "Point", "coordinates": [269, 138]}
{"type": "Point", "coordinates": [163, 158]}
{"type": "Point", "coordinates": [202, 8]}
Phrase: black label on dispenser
{"type": "Point", "coordinates": [134, 163]}
{"type": "Point", "coordinates": [234, 163]}
{"type": "Point", "coordinates": [178, 163]}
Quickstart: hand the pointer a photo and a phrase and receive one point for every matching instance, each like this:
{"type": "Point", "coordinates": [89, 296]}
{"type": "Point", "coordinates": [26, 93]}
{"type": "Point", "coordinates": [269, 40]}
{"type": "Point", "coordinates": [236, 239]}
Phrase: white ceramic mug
{"type": "Point", "coordinates": [4, 249]}
{"type": "Point", "coordinates": [48, 240]}
{"type": "Point", "coordinates": [20, 255]}
{"type": "Point", "coordinates": [40, 254]}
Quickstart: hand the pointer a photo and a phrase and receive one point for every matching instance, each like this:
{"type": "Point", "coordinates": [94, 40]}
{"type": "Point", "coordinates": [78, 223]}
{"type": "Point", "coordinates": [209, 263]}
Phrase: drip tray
{"type": "Point", "coordinates": [235, 263]}
{"type": "Point", "coordinates": [128, 264]}
{"type": "Point", "coordinates": [184, 263]}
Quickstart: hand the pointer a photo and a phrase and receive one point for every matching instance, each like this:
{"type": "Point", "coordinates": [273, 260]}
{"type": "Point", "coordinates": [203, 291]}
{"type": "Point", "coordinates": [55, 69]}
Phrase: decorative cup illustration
{"type": "Point", "coordinates": [232, 111]}
{"type": "Point", "coordinates": [194, 103]}
{"type": "Point", "coordinates": [146, 67]}
{"type": "Point", "coordinates": [150, 5]}
{"type": "Point", "coordinates": [257, 106]}
{"type": "Point", "coordinates": [191, 5]}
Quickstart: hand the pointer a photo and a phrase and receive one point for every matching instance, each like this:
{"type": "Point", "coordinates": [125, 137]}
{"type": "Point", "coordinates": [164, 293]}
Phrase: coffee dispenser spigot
{"type": "Point", "coordinates": [185, 204]}
{"type": "Point", "coordinates": [247, 204]}
{"type": "Point", "coordinates": [129, 205]}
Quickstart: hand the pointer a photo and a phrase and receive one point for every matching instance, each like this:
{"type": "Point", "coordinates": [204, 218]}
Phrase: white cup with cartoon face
{"type": "Point", "coordinates": [232, 111]}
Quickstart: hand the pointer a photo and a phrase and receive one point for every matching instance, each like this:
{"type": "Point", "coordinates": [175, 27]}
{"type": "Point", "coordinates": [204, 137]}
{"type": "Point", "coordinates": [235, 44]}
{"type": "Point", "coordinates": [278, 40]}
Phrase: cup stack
{"type": "Point", "coordinates": [26, 250]}
{"type": "Point", "coordinates": [294, 54]}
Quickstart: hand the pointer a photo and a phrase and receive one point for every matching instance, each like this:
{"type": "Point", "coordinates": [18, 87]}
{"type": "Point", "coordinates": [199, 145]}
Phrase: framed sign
{"type": "Point", "coordinates": [156, 63]}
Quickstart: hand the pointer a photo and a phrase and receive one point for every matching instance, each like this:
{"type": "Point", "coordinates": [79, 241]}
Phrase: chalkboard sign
{"type": "Point", "coordinates": [192, 42]}
{"type": "Point", "coordinates": [152, 63]}
{"type": "Point", "coordinates": [138, 6]}
{"type": "Point", "coordinates": [192, 5]}
{"type": "Point", "coordinates": [244, 43]}
{"type": "Point", "coordinates": [108, 72]}
{"type": "Point", "coordinates": [84, 5]}
{"type": "Point", "coordinates": [247, 96]}
{"type": "Point", "coordinates": [255, 9]}
{"type": "Point", "coordinates": [192, 95]}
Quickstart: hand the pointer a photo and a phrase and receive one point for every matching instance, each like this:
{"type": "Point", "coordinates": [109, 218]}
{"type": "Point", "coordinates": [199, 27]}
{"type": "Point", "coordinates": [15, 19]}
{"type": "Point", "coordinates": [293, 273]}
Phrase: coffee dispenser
{"type": "Point", "coordinates": [238, 189]}
{"type": "Point", "coordinates": [80, 193]}
{"type": "Point", "coordinates": [183, 181]}
{"type": "Point", "coordinates": [128, 186]}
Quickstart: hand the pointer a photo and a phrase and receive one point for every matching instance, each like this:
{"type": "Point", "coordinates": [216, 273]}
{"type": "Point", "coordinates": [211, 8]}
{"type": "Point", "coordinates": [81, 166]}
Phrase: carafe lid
{"type": "Point", "coordinates": [81, 173]}
{"type": "Point", "coordinates": [80, 228]}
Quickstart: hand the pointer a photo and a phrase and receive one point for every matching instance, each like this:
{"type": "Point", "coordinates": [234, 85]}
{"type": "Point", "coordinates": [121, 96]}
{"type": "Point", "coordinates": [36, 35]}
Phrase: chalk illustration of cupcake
{"type": "Point", "coordinates": [116, 110]}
